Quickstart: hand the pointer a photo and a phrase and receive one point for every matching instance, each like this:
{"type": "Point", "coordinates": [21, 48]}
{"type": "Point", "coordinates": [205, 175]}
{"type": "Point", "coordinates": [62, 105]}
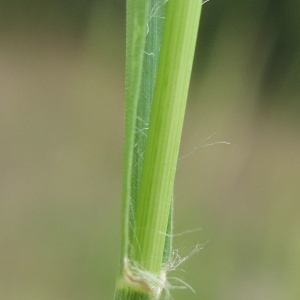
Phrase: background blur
{"type": "Point", "coordinates": [61, 139]}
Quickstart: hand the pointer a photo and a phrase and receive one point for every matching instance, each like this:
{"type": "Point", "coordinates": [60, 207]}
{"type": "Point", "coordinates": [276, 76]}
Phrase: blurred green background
{"type": "Point", "coordinates": [61, 139]}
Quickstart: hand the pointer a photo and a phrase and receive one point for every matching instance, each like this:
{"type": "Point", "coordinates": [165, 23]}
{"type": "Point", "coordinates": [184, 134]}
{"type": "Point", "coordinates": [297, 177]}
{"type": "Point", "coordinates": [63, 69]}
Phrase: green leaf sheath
{"type": "Point", "coordinates": [167, 114]}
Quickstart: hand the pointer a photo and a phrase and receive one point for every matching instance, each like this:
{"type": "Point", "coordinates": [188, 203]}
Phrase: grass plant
{"type": "Point", "coordinates": [160, 44]}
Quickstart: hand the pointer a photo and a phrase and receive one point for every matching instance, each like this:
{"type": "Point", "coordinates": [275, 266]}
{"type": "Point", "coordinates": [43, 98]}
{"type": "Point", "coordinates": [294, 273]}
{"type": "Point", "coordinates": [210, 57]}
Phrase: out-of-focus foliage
{"type": "Point", "coordinates": [61, 127]}
{"type": "Point", "coordinates": [62, 17]}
